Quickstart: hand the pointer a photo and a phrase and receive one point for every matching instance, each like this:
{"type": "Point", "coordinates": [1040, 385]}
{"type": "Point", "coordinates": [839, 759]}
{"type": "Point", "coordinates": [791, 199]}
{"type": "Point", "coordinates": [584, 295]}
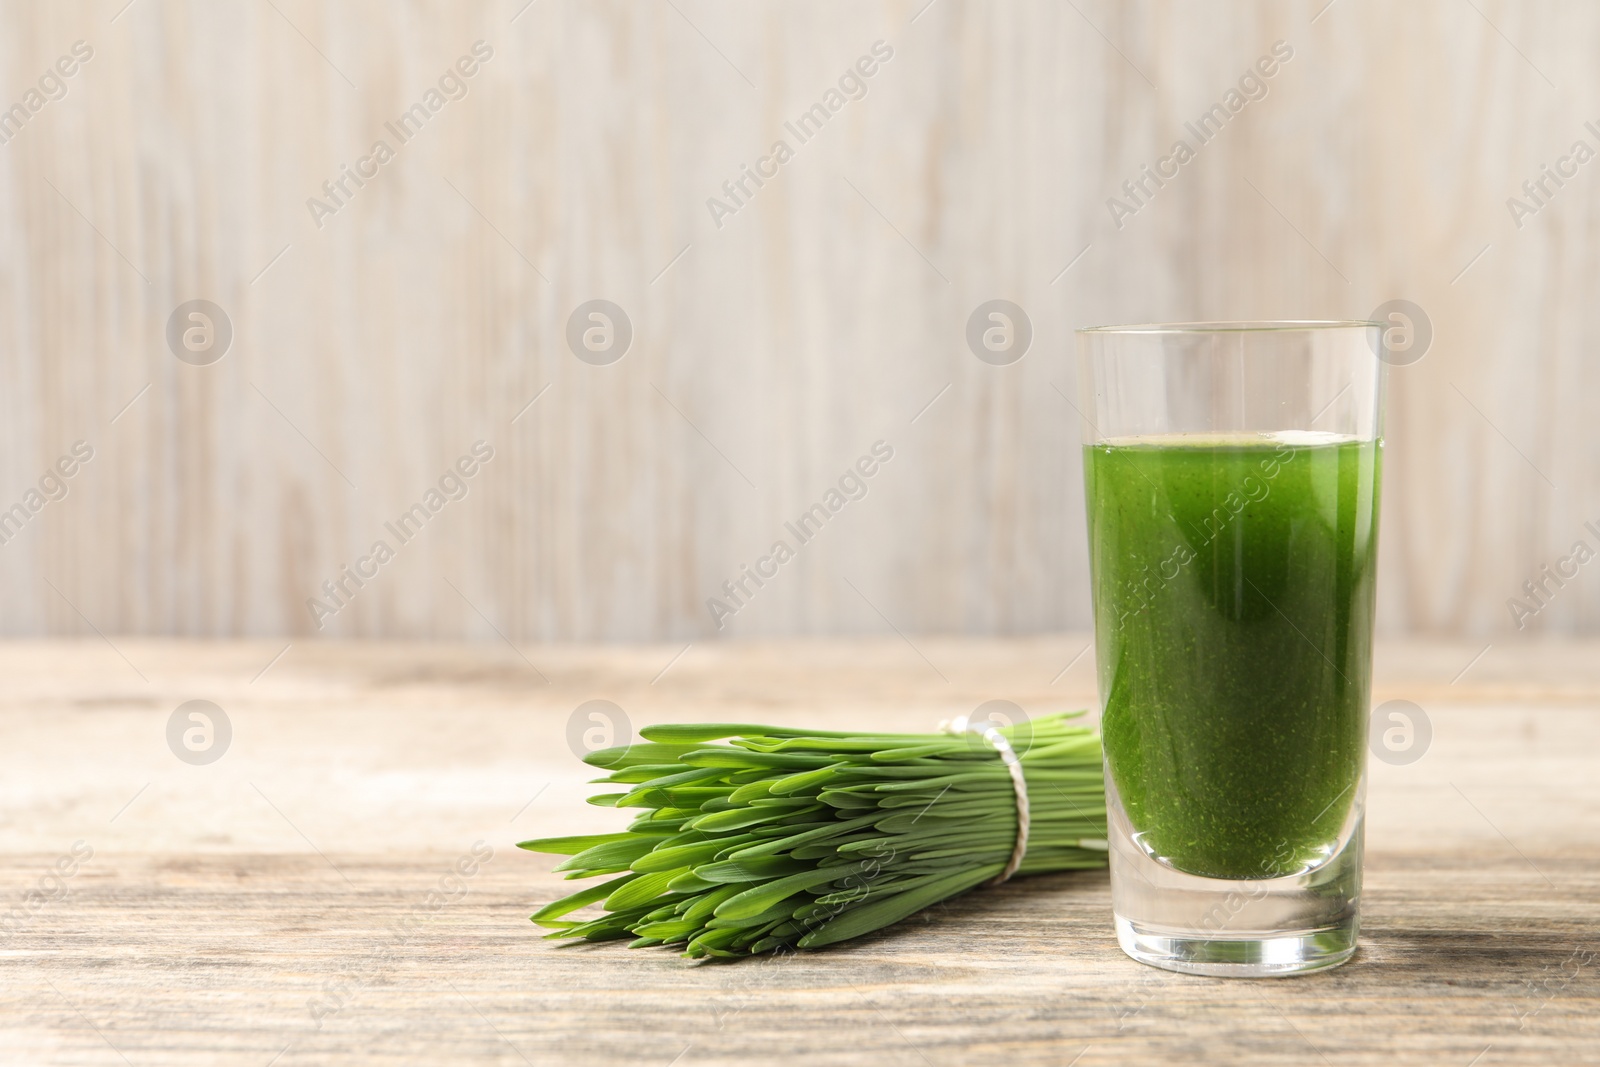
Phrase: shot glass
{"type": "Point", "coordinates": [1232, 479]}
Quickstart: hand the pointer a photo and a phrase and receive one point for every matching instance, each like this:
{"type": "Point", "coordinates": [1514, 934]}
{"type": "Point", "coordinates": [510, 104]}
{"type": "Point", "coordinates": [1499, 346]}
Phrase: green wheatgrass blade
{"type": "Point", "coordinates": [678, 796]}
{"type": "Point", "coordinates": [756, 900]}
{"type": "Point", "coordinates": [621, 756]}
{"type": "Point", "coordinates": [752, 870]}
{"type": "Point", "coordinates": [691, 883]}
{"type": "Point", "coordinates": [737, 759]}
{"type": "Point", "coordinates": [764, 919]}
{"type": "Point", "coordinates": [846, 800]}
{"type": "Point", "coordinates": [591, 895]}
{"type": "Point", "coordinates": [571, 846]}
{"type": "Point", "coordinates": [752, 791]}
{"type": "Point", "coordinates": [874, 916]}
{"type": "Point", "coordinates": [712, 942]}
{"type": "Point", "coordinates": [754, 839]}
{"type": "Point", "coordinates": [610, 853]}
{"type": "Point", "coordinates": [642, 889]}
{"type": "Point", "coordinates": [663, 821]}
{"type": "Point", "coordinates": [890, 755]}
{"type": "Point", "coordinates": [666, 931]}
{"type": "Point", "coordinates": [740, 818]}
{"type": "Point", "coordinates": [676, 774]}
{"type": "Point", "coordinates": [802, 782]}
{"type": "Point", "coordinates": [867, 889]}
{"type": "Point", "coordinates": [643, 772]}
{"type": "Point", "coordinates": [803, 837]}
{"type": "Point", "coordinates": [705, 905]}
{"type": "Point", "coordinates": [667, 911]}
{"type": "Point", "coordinates": [683, 855]}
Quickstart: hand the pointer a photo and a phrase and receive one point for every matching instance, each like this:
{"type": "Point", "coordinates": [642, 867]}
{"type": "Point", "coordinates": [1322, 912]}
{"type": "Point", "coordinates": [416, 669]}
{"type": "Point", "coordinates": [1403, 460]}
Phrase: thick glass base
{"type": "Point", "coordinates": [1263, 956]}
{"type": "Point", "coordinates": [1241, 928]}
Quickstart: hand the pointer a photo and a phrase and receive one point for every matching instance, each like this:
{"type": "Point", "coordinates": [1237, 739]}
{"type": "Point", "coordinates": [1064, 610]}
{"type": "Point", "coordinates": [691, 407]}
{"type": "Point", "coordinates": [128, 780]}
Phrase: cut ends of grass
{"type": "Point", "coordinates": [759, 839]}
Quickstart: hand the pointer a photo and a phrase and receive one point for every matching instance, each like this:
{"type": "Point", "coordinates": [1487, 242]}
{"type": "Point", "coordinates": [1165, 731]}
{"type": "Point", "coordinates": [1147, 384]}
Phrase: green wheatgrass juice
{"type": "Point", "coordinates": [1233, 579]}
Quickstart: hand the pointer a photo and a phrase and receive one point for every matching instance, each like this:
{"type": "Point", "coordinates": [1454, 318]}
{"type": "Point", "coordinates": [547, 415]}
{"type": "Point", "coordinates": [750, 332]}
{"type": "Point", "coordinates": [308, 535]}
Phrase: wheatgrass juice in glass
{"type": "Point", "coordinates": [1233, 560]}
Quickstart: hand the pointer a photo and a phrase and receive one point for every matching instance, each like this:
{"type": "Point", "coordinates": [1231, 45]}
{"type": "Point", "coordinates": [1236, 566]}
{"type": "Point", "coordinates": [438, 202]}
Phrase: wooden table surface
{"type": "Point", "coordinates": [290, 903]}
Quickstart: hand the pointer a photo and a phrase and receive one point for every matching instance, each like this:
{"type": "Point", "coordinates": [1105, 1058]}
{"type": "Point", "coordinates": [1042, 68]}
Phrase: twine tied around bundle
{"type": "Point", "coordinates": [962, 724]}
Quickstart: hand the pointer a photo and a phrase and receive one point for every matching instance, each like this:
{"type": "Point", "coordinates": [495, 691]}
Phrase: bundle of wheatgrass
{"type": "Point", "coordinates": [780, 838]}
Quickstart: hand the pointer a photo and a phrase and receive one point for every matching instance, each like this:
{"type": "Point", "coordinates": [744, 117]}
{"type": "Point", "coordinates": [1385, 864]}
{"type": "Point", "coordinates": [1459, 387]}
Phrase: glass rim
{"type": "Point", "coordinates": [1241, 326]}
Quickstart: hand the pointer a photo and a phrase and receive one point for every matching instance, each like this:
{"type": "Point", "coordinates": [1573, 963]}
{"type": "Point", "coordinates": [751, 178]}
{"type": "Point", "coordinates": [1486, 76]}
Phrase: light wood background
{"type": "Point", "coordinates": [768, 353]}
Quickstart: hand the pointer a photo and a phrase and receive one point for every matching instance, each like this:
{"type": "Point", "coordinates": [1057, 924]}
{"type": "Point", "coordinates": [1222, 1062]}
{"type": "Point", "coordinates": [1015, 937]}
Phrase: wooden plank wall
{"type": "Point", "coordinates": [773, 344]}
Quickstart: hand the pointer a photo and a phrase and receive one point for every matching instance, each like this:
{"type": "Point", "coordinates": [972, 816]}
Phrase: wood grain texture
{"type": "Point", "coordinates": [769, 351]}
{"type": "Point", "coordinates": [222, 901]}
